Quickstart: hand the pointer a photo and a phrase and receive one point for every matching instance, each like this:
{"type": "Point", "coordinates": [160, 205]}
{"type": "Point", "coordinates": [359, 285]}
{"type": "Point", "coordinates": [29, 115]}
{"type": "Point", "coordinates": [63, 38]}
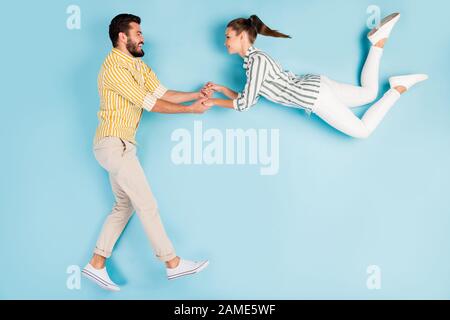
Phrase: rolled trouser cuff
{"type": "Point", "coordinates": [167, 257]}
{"type": "Point", "coordinates": [103, 253]}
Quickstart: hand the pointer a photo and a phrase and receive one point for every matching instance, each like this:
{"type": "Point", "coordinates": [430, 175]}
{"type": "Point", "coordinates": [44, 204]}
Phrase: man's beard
{"type": "Point", "coordinates": [133, 48]}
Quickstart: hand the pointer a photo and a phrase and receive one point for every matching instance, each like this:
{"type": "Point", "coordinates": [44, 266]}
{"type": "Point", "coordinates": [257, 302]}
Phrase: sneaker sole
{"type": "Point", "coordinates": [393, 82]}
{"type": "Point", "coordinates": [383, 22]}
{"type": "Point", "coordinates": [98, 281]}
{"type": "Point", "coordinates": [186, 273]}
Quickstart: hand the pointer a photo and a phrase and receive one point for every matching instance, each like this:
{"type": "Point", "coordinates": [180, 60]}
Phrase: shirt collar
{"type": "Point", "coordinates": [124, 56]}
{"type": "Point", "coordinates": [247, 54]}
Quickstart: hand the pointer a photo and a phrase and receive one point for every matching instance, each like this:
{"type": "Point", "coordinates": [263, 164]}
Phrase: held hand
{"type": "Point", "coordinates": [201, 105]}
{"type": "Point", "coordinates": [213, 86]}
{"type": "Point", "coordinates": [209, 103]}
{"type": "Point", "coordinates": [205, 93]}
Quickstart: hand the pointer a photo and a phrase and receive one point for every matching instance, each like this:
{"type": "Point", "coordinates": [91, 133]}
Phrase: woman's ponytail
{"type": "Point", "coordinates": [261, 28]}
{"type": "Point", "coordinates": [254, 26]}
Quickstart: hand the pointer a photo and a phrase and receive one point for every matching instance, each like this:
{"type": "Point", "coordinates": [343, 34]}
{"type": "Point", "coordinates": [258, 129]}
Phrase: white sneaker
{"type": "Point", "coordinates": [385, 28]}
{"type": "Point", "coordinates": [100, 277]}
{"type": "Point", "coordinates": [407, 81]}
{"type": "Point", "coordinates": [186, 267]}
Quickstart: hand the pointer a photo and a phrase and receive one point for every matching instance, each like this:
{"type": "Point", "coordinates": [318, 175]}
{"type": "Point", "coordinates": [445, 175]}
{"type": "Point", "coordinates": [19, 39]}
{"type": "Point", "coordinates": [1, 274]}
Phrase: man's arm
{"type": "Point", "coordinates": [180, 97]}
{"type": "Point", "coordinates": [152, 84]}
{"type": "Point", "coordinates": [163, 106]}
{"type": "Point", "coordinates": [120, 81]}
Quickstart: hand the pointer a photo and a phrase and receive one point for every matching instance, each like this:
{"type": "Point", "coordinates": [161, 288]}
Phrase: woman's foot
{"type": "Point", "coordinates": [380, 44]}
{"type": "Point", "coordinates": [401, 89]}
{"type": "Point", "coordinates": [404, 83]}
{"type": "Point", "coordinates": [384, 30]}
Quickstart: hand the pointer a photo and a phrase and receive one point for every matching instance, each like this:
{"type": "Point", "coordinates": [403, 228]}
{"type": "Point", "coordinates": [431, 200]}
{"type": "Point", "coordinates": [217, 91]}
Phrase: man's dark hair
{"type": "Point", "coordinates": [121, 23]}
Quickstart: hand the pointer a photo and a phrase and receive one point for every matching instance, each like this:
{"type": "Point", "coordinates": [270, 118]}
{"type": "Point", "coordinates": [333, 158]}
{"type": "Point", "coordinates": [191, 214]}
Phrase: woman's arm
{"type": "Point", "coordinates": [224, 103]}
{"type": "Point", "coordinates": [243, 101]}
{"type": "Point", "coordinates": [230, 94]}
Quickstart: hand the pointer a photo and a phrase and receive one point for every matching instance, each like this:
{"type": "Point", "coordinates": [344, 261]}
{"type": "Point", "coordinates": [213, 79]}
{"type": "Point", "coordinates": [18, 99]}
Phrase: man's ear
{"type": "Point", "coordinates": [123, 37]}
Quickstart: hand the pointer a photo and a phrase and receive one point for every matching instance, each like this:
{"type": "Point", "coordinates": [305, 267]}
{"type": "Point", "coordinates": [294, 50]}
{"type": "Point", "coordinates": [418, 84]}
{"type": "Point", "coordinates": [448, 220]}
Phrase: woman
{"type": "Point", "coordinates": [329, 99]}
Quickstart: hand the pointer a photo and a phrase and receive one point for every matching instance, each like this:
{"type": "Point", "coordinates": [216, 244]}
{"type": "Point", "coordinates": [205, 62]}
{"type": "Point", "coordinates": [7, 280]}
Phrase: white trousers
{"type": "Point", "coordinates": [335, 100]}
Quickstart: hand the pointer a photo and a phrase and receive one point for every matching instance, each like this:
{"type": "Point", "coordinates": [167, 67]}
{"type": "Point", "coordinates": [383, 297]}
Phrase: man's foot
{"type": "Point", "coordinates": [100, 277]}
{"type": "Point", "coordinates": [404, 83]}
{"type": "Point", "coordinates": [186, 267]}
{"type": "Point", "coordinates": [98, 261]}
{"type": "Point", "coordinates": [384, 30]}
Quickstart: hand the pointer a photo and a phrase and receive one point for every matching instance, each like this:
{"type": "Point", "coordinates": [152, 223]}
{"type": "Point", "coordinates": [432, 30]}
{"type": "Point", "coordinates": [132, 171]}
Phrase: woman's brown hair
{"type": "Point", "coordinates": [254, 26]}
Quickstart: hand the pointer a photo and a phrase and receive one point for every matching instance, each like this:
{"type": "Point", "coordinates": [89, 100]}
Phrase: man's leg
{"type": "Point", "coordinates": [131, 179]}
{"type": "Point", "coordinates": [115, 222]}
{"type": "Point", "coordinates": [132, 190]}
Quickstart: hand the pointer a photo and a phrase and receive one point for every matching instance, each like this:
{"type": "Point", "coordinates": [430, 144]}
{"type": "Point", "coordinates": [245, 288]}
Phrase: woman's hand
{"type": "Point", "coordinates": [209, 103]}
{"type": "Point", "coordinates": [205, 93]}
{"type": "Point", "coordinates": [213, 86]}
{"type": "Point", "coordinates": [209, 88]}
{"type": "Point", "coordinates": [201, 105]}
{"type": "Point", "coordinates": [230, 94]}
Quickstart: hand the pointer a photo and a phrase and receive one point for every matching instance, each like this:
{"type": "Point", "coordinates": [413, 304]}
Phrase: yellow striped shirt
{"type": "Point", "coordinates": [126, 86]}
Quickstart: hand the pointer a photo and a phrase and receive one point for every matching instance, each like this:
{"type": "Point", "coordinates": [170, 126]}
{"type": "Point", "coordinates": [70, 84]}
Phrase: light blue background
{"type": "Point", "coordinates": [337, 205]}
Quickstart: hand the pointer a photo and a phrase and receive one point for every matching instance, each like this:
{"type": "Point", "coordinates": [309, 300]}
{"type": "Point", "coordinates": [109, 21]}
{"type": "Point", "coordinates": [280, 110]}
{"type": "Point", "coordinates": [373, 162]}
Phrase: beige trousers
{"type": "Point", "coordinates": [132, 192]}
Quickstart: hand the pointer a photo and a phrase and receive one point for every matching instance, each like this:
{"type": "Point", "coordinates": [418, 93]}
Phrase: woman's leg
{"type": "Point", "coordinates": [356, 96]}
{"type": "Point", "coordinates": [333, 111]}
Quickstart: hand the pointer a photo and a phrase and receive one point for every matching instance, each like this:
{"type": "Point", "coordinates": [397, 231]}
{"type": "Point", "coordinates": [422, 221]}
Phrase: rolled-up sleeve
{"type": "Point", "coordinates": [256, 74]}
{"type": "Point", "coordinates": [120, 80]}
{"type": "Point", "coordinates": [152, 83]}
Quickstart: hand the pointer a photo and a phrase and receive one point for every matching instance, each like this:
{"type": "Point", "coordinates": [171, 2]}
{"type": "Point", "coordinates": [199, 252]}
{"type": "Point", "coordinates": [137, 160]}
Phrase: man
{"type": "Point", "coordinates": [127, 87]}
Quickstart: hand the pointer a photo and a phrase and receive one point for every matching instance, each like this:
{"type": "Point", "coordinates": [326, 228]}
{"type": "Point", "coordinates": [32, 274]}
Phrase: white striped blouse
{"type": "Point", "coordinates": [265, 77]}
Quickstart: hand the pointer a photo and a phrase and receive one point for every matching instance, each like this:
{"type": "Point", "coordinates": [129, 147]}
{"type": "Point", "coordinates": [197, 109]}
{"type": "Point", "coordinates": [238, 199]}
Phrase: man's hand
{"type": "Point", "coordinates": [206, 92]}
{"type": "Point", "coordinates": [201, 105]}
